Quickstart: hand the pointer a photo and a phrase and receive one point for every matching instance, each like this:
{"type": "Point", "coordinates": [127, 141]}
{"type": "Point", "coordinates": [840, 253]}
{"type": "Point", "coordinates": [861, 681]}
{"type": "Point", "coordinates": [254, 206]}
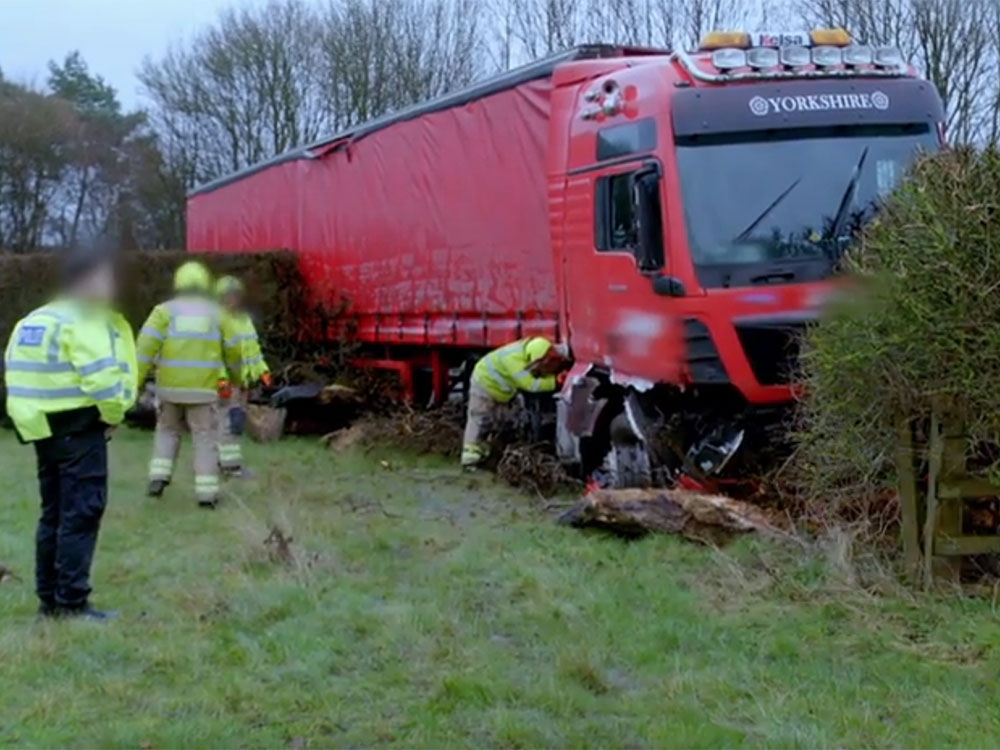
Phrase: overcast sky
{"type": "Point", "coordinates": [112, 35]}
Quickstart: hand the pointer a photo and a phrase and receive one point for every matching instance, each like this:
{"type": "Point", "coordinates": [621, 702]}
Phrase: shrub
{"type": "Point", "coordinates": [921, 323]}
{"type": "Point", "coordinates": [275, 290]}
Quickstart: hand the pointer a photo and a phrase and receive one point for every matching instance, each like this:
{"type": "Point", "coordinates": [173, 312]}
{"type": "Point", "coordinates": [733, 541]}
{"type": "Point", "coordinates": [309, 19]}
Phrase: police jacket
{"type": "Point", "coordinates": [68, 355]}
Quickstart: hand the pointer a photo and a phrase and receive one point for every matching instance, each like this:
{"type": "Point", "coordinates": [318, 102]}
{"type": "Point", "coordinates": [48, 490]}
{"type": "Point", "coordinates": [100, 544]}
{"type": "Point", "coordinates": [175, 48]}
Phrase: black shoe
{"type": "Point", "coordinates": [156, 487]}
{"type": "Point", "coordinates": [47, 609]}
{"type": "Point", "coordinates": [86, 612]}
{"type": "Point", "coordinates": [209, 504]}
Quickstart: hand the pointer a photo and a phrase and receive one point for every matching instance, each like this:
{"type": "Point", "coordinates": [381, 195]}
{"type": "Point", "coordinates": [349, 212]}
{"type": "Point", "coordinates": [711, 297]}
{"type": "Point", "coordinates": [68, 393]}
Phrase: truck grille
{"type": "Point", "coordinates": [772, 350]}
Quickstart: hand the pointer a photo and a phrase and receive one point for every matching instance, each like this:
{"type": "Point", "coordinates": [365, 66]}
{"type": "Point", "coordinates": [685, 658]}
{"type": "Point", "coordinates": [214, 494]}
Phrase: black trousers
{"type": "Point", "coordinates": [73, 478]}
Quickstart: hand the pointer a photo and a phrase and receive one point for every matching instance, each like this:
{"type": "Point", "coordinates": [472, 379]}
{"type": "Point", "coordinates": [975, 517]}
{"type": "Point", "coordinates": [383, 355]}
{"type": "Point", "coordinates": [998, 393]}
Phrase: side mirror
{"type": "Point", "coordinates": [668, 286]}
{"type": "Point", "coordinates": [649, 253]}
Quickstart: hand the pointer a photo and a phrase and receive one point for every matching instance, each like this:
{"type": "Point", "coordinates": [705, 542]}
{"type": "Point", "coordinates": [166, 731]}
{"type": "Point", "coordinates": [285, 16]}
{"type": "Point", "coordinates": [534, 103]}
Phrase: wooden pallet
{"type": "Point", "coordinates": [933, 508]}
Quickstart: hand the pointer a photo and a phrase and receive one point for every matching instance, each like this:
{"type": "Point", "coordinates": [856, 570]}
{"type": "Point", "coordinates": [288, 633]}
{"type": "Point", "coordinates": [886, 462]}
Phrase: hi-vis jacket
{"type": "Point", "coordinates": [68, 355]}
{"type": "Point", "coordinates": [506, 370]}
{"type": "Point", "coordinates": [253, 366]}
{"type": "Point", "coordinates": [190, 342]}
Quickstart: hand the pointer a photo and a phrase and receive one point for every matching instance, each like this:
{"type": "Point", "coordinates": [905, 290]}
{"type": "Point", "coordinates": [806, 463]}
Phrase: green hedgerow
{"type": "Point", "coordinates": [921, 323]}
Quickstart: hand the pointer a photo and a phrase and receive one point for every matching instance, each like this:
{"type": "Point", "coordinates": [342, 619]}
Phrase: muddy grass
{"type": "Point", "coordinates": [526, 465]}
{"type": "Point", "coordinates": [373, 598]}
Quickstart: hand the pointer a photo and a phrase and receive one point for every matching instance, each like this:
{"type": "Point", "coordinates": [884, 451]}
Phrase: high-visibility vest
{"type": "Point", "coordinates": [252, 363]}
{"type": "Point", "coordinates": [68, 355]}
{"type": "Point", "coordinates": [505, 371]}
{"type": "Point", "coordinates": [189, 342]}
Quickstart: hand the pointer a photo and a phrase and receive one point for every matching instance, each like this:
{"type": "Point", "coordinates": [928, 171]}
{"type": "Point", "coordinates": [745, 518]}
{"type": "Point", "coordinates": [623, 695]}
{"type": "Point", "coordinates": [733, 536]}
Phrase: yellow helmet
{"type": "Point", "coordinates": [228, 285]}
{"type": "Point", "coordinates": [537, 348]}
{"type": "Point", "coordinates": [192, 277]}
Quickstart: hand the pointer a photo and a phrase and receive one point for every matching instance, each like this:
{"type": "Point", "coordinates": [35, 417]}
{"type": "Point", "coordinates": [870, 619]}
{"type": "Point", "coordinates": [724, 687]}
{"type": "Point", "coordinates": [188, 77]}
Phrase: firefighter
{"type": "Point", "coordinates": [232, 399]}
{"type": "Point", "coordinates": [533, 365]}
{"type": "Point", "coordinates": [189, 341]}
{"type": "Point", "coordinates": [70, 373]}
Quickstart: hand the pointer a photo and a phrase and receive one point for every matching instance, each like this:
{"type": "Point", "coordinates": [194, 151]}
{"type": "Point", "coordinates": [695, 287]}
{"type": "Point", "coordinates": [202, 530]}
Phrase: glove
{"type": "Point", "coordinates": [225, 389]}
{"type": "Point", "coordinates": [265, 380]}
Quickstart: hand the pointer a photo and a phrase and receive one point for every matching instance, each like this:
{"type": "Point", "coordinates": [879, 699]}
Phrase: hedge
{"type": "Point", "coordinates": [922, 326]}
{"type": "Point", "coordinates": [276, 290]}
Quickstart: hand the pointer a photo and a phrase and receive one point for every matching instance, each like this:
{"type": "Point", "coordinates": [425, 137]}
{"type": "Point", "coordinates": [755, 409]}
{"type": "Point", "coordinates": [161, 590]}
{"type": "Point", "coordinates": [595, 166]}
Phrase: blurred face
{"type": "Point", "coordinates": [551, 364]}
{"type": "Point", "coordinates": [232, 300]}
{"type": "Point", "coordinates": [97, 285]}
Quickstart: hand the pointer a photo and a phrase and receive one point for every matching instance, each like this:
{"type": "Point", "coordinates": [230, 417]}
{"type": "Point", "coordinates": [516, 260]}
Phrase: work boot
{"type": "Point", "coordinates": [156, 487]}
{"type": "Point", "coordinates": [209, 504]}
{"type": "Point", "coordinates": [86, 612]}
{"type": "Point", "coordinates": [47, 609]}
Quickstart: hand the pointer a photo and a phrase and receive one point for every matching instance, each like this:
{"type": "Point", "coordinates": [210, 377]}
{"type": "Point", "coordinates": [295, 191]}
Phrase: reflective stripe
{"type": "Point", "coordinates": [193, 336]}
{"type": "Point", "coordinates": [472, 454]}
{"type": "Point", "coordinates": [193, 363]}
{"type": "Point", "coordinates": [501, 382]}
{"type": "Point", "coordinates": [536, 382]}
{"type": "Point", "coordinates": [253, 360]}
{"type": "Point", "coordinates": [23, 392]}
{"type": "Point", "coordinates": [123, 366]}
{"type": "Point", "coordinates": [54, 344]}
{"type": "Point", "coordinates": [161, 468]}
{"type": "Point", "coordinates": [151, 332]}
{"type": "Point", "coordinates": [106, 393]}
{"type": "Point", "coordinates": [145, 358]}
{"type": "Point", "coordinates": [61, 317]}
{"type": "Point", "coordinates": [98, 365]}
{"type": "Point", "coordinates": [206, 486]}
{"type": "Point", "coordinates": [241, 337]}
{"type": "Point", "coordinates": [19, 365]}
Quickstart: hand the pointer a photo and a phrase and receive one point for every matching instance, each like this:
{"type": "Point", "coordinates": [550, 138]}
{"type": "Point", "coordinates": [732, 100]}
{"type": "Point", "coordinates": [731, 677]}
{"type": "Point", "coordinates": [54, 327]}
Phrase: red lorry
{"type": "Point", "coordinates": [675, 217]}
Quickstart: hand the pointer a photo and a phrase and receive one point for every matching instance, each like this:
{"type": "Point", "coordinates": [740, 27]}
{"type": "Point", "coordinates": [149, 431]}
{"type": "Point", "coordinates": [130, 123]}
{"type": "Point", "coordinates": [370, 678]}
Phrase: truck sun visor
{"type": "Point", "coordinates": [804, 104]}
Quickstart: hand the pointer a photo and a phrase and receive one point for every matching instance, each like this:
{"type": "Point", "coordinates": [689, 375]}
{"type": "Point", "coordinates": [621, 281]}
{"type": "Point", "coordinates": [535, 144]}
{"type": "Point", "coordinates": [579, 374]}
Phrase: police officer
{"type": "Point", "coordinates": [232, 399]}
{"type": "Point", "coordinates": [533, 365]}
{"type": "Point", "coordinates": [70, 373]}
{"type": "Point", "coordinates": [189, 342]}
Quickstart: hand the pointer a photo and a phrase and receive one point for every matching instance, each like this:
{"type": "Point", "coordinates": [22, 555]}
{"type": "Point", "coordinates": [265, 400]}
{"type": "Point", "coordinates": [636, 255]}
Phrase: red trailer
{"type": "Point", "coordinates": [675, 217]}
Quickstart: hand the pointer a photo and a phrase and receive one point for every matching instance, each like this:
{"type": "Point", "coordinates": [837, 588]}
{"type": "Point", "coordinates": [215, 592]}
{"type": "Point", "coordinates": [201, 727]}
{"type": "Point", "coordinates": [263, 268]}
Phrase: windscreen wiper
{"type": "Point", "coordinates": [774, 204]}
{"type": "Point", "coordinates": [848, 199]}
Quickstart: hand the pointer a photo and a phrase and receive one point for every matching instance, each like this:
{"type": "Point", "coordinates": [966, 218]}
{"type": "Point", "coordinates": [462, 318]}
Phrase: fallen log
{"type": "Point", "coordinates": [708, 519]}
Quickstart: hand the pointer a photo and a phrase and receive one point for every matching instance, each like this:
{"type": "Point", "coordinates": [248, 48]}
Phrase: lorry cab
{"type": "Point", "coordinates": [700, 204]}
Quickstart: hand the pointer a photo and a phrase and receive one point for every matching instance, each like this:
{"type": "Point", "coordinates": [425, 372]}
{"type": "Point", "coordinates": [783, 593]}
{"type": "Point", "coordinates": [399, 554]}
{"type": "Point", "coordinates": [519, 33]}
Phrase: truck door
{"type": "Point", "coordinates": [614, 248]}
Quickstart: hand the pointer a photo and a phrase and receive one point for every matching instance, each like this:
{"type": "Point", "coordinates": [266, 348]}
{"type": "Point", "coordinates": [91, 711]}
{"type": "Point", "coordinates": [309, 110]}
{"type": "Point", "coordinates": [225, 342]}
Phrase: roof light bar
{"type": "Point", "coordinates": [729, 58]}
{"type": "Point", "coordinates": [718, 39]}
{"type": "Point", "coordinates": [858, 54]}
{"type": "Point", "coordinates": [830, 37]}
{"type": "Point", "coordinates": [827, 57]}
{"type": "Point", "coordinates": [795, 57]}
{"type": "Point", "coordinates": [763, 57]}
{"type": "Point", "coordinates": [889, 57]}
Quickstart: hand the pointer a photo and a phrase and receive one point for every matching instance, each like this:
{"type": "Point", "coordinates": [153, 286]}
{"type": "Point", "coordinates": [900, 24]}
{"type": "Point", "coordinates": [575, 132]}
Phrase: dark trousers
{"type": "Point", "coordinates": [73, 478]}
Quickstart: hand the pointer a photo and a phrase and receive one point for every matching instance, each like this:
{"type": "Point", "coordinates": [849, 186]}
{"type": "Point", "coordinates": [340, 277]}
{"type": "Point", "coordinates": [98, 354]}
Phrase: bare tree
{"type": "Point", "coordinates": [248, 87]}
{"type": "Point", "coordinates": [953, 42]}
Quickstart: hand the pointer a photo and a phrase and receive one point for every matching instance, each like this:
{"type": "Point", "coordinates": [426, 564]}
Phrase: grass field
{"type": "Point", "coordinates": [418, 607]}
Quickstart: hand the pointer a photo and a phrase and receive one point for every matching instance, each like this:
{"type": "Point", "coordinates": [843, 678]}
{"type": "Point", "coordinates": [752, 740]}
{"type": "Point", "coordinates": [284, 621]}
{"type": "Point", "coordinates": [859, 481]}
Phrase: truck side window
{"type": "Point", "coordinates": [615, 220]}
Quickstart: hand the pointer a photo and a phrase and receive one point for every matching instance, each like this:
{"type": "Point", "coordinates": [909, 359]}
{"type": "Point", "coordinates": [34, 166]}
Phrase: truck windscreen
{"type": "Point", "coordinates": [792, 198]}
